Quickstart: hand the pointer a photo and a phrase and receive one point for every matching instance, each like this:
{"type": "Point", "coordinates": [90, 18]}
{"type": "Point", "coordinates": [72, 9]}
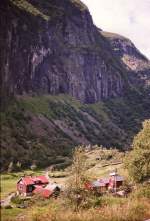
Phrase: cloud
{"type": "Point", "coordinates": [130, 18]}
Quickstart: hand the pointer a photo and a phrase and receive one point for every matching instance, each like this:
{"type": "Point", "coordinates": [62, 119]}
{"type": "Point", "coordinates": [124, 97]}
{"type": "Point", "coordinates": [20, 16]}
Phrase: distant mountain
{"type": "Point", "coordinates": [131, 57]}
{"type": "Point", "coordinates": [65, 82]}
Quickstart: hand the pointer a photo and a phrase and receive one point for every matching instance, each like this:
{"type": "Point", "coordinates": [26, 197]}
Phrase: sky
{"type": "Point", "coordinates": [130, 18]}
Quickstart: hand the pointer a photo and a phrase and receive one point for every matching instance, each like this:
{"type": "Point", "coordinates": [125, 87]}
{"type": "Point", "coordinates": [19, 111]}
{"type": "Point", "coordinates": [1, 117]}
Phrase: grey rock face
{"type": "Point", "coordinates": [57, 51]}
{"type": "Point", "coordinates": [136, 63]}
{"type": "Point", "coordinates": [54, 47]}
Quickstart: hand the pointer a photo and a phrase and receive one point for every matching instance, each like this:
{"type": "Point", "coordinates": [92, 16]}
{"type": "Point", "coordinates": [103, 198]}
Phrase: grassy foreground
{"type": "Point", "coordinates": [136, 207]}
{"type": "Point", "coordinates": [131, 210]}
{"type": "Point", "coordinates": [108, 209]}
{"type": "Point", "coordinates": [99, 162]}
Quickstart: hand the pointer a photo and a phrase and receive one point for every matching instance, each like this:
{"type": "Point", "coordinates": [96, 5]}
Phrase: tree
{"type": "Point", "coordinates": [10, 167]}
{"type": "Point", "coordinates": [75, 191]}
{"type": "Point", "coordinates": [79, 167]}
{"type": "Point", "coordinates": [33, 166]}
{"type": "Point", "coordinates": [18, 166]}
{"type": "Point", "coordinates": [138, 160]}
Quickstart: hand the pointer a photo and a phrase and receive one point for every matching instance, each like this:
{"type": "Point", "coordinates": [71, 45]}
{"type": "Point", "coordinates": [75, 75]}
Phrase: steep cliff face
{"type": "Point", "coordinates": [136, 63]}
{"type": "Point", "coordinates": [52, 48]}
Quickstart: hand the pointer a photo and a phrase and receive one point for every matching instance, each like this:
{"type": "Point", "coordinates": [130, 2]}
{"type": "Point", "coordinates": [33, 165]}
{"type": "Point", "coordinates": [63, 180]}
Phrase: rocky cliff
{"type": "Point", "coordinates": [136, 63]}
{"type": "Point", "coordinates": [52, 48]}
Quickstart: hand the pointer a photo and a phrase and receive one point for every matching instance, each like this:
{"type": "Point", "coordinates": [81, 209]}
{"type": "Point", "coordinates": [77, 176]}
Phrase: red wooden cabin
{"type": "Point", "coordinates": [26, 185]}
{"type": "Point", "coordinates": [104, 184]}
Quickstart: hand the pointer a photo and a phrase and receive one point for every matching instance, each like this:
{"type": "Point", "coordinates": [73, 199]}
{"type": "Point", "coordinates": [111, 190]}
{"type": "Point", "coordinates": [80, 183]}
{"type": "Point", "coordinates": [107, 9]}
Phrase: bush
{"type": "Point", "coordinates": [141, 191]}
{"type": "Point", "coordinates": [16, 200]}
{"type": "Point", "coordinates": [138, 160]}
{"type": "Point", "coordinates": [8, 207]}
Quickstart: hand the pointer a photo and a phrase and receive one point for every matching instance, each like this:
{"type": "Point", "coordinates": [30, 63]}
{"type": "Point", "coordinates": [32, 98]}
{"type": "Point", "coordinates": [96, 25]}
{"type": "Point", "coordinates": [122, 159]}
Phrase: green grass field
{"type": "Point", "coordinates": [9, 180]}
{"type": "Point", "coordinates": [10, 214]}
{"type": "Point", "coordinates": [107, 207]}
{"type": "Point", "coordinates": [8, 185]}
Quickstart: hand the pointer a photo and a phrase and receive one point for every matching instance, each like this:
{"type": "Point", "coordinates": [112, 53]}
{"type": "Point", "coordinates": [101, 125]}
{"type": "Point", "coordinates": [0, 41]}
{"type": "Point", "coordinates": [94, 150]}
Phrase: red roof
{"type": "Point", "coordinates": [37, 189]}
{"type": "Point", "coordinates": [28, 180]}
{"type": "Point", "coordinates": [42, 191]}
{"type": "Point", "coordinates": [46, 193]}
{"type": "Point", "coordinates": [43, 179]}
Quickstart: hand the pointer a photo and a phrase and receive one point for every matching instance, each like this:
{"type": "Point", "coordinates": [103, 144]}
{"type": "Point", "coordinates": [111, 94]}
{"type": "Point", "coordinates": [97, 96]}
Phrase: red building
{"type": "Point", "coordinates": [26, 185]}
{"type": "Point", "coordinates": [115, 181]}
{"type": "Point", "coordinates": [104, 184]}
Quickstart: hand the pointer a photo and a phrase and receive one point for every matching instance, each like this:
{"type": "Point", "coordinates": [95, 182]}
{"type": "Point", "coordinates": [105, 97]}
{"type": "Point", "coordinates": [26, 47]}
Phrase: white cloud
{"type": "Point", "coordinates": [130, 18]}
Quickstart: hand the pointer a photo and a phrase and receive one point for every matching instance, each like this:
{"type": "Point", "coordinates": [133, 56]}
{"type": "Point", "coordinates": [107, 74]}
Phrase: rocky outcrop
{"type": "Point", "coordinates": [54, 48]}
{"type": "Point", "coordinates": [136, 63]}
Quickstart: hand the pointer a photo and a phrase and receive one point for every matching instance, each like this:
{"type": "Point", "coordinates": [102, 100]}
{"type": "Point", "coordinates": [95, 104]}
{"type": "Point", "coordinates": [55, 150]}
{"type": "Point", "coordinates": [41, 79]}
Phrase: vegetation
{"type": "Point", "coordinates": [131, 211]}
{"type": "Point", "coordinates": [79, 4]}
{"type": "Point", "coordinates": [78, 203]}
{"type": "Point", "coordinates": [10, 214]}
{"type": "Point", "coordinates": [79, 167]}
{"type": "Point", "coordinates": [76, 196]}
{"type": "Point", "coordinates": [138, 160]}
{"type": "Point", "coordinates": [39, 130]}
{"type": "Point", "coordinates": [25, 5]}
{"type": "Point", "coordinates": [8, 181]}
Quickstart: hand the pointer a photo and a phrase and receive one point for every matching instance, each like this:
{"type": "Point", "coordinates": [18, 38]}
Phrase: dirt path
{"type": "Point", "coordinates": [7, 200]}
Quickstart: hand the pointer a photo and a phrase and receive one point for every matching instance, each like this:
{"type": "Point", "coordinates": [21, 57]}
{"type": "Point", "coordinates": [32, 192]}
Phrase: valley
{"type": "Point", "coordinates": [74, 112]}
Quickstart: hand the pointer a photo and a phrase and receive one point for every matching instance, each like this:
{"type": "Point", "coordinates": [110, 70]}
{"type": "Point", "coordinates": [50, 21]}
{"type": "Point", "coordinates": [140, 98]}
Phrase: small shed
{"type": "Point", "coordinates": [42, 192]}
{"type": "Point", "coordinates": [99, 185]}
{"type": "Point", "coordinates": [54, 188]}
{"type": "Point", "coordinates": [115, 181]}
{"type": "Point", "coordinates": [103, 184]}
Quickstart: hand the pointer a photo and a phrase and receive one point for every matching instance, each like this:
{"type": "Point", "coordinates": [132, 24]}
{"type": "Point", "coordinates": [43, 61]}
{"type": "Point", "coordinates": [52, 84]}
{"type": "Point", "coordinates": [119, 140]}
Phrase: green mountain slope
{"type": "Point", "coordinates": [43, 130]}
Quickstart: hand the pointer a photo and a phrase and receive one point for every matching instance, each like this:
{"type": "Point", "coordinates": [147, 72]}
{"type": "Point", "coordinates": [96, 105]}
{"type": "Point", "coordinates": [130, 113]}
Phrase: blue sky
{"type": "Point", "coordinates": [130, 18]}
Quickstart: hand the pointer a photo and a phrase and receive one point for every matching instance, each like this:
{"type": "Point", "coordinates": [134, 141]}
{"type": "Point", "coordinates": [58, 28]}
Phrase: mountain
{"type": "Point", "coordinates": [65, 82]}
{"type": "Point", "coordinates": [135, 62]}
{"type": "Point", "coordinates": [52, 48]}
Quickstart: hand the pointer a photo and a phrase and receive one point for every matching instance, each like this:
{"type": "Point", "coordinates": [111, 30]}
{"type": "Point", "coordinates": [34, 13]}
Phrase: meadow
{"type": "Point", "coordinates": [105, 207]}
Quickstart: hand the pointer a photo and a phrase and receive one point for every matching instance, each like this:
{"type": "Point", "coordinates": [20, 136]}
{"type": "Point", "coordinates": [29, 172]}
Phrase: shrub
{"type": "Point", "coordinates": [142, 191]}
{"type": "Point", "coordinates": [16, 200]}
{"type": "Point", "coordinates": [8, 207]}
{"type": "Point", "coordinates": [138, 160]}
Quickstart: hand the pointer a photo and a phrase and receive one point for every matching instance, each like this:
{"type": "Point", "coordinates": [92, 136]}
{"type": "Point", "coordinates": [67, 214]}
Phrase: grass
{"type": "Point", "coordinates": [25, 5]}
{"type": "Point", "coordinates": [9, 180]}
{"type": "Point", "coordinates": [44, 105]}
{"type": "Point", "coordinates": [79, 4]}
{"type": "Point", "coordinates": [99, 172]}
{"type": "Point", "coordinates": [7, 185]}
{"type": "Point", "coordinates": [29, 122]}
{"type": "Point", "coordinates": [114, 210]}
{"type": "Point", "coordinates": [100, 109]}
{"type": "Point", "coordinates": [136, 207]}
{"type": "Point", "coordinates": [10, 214]}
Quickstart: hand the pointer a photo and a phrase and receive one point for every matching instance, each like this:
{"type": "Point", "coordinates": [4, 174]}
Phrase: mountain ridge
{"type": "Point", "coordinates": [50, 57]}
{"type": "Point", "coordinates": [65, 82]}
